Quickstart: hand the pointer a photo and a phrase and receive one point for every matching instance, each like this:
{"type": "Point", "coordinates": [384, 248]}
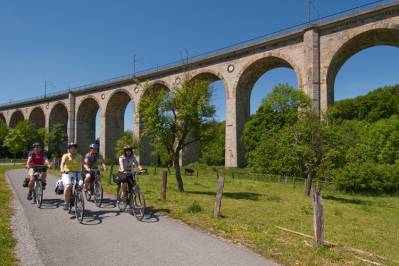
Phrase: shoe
{"type": "Point", "coordinates": [29, 197]}
{"type": "Point", "coordinates": [26, 182]}
{"type": "Point", "coordinates": [66, 206]}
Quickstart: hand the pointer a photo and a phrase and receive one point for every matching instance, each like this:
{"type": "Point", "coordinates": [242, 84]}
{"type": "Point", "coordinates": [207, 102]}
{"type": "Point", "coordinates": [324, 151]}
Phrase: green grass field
{"type": "Point", "coordinates": [7, 241]}
{"type": "Point", "coordinates": [252, 209]}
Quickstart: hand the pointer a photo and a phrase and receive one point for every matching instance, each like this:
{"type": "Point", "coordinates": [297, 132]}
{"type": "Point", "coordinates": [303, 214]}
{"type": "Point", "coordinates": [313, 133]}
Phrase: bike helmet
{"type": "Point", "coordinates": [94, 146]}
{"type": "Point", "coordinates": [36, 144]}
{"type": "Point", "coordinates": [127, 148]}
{"type": "Point", "coordinates": [72, 145]}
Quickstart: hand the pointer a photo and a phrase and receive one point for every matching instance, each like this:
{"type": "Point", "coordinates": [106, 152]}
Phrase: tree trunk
{"type": "Point", "coordinates": [179, 179]}
{"type": "Point", "coordinates": [308, 182]}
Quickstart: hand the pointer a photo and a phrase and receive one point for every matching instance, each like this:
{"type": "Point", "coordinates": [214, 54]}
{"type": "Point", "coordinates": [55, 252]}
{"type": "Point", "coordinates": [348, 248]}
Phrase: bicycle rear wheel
{"type": "Point", "coordinates": [138, 205]}
{"type": "Point", "coordinates": [79, 206]}
{"type": "Point", "coordinates": [38, 193]}
{"type": "Point", "coordinates": [98, 193]}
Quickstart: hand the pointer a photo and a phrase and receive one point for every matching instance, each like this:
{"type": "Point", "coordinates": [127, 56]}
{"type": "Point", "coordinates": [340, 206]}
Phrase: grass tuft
{"type": "Point", "coordinates": [195, 207]}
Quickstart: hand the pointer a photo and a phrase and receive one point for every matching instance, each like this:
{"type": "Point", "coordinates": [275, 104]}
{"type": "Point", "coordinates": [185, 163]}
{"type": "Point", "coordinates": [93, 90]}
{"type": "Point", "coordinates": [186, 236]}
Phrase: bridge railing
{"type": "Point", "coordinates": [253, 41]}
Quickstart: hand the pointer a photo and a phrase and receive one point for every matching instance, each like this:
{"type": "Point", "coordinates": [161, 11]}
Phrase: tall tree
{"type": "Point", "coordinates": [20, 139]}
{"type": "Point", "coordinates": [173, 121]}
{"type": "Point", "coordinates": [56, 138]}
{"type": "Point", "coordinates": [3, 134]}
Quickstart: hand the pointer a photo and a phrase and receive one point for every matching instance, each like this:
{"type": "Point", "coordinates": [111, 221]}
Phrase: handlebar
{"type": "Point", "coordinates": [40, 168]}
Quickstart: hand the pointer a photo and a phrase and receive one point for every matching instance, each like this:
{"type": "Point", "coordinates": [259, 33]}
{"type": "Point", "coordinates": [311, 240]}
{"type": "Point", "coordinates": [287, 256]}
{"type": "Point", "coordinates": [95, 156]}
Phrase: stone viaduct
{"type": "Point", "coordinates": [315, 52]}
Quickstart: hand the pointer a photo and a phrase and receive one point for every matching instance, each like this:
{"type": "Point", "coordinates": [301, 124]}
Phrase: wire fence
{"type": "Point", "coordinates": [202, 56]}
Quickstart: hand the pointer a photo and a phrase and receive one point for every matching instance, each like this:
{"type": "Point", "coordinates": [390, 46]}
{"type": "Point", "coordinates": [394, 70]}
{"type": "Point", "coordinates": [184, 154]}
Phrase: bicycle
{"type": "Point", "coordinates": [38, 186]}
{"type": "Point", "coordinates": [77, 199]}
{"type": "Point", "coordinates": [134, 198]}
{"type": "Point", "coordinates": [95, 188]}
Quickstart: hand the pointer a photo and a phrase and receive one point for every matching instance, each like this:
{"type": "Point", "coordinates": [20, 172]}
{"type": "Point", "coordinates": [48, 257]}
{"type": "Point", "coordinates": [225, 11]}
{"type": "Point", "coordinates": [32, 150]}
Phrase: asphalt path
{"type": "Point", "coordinates": [108, 237]}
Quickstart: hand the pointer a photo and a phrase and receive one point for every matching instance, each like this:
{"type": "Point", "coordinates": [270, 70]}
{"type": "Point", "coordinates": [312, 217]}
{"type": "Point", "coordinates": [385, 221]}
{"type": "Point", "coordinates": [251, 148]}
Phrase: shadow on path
{"type": "Point", "coordinates": [232, 195]}
{"type": "Point", "coordinates": [51, 203]}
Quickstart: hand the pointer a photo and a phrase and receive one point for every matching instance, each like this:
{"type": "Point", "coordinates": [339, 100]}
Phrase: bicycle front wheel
{"type": "Point", "coordinates": [79, 206]}
{"type": "Point", "coordinates": [38, 194]}
{"type": "Point", "coordinates": [122, 200]}
{"type": "Point", "coordinates": [98, 193]}
{"type": "Point", "coordinates": [138, 205]}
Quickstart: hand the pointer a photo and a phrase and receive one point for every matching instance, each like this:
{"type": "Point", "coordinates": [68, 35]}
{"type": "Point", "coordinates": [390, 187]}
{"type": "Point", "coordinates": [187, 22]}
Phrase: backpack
{"type": "Point", "coordinates": [59, 187]}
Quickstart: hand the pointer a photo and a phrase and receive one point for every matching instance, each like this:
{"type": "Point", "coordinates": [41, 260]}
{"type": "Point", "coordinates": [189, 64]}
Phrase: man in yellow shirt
{"type": "Point", "coordinates": [71, 167]}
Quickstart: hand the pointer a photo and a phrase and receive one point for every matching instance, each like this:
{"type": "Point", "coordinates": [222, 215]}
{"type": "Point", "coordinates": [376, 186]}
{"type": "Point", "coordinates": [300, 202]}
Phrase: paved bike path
{"type": "Point", "coordinates": [109, 238]}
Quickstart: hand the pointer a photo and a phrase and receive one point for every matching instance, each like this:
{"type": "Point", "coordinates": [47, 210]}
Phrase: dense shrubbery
{"type": "Point", "coordinates": [356, 145]}
{"type": "Point", "coordinates": [17, 142]}
{"type": "Point", "coordinates": [368, 177]}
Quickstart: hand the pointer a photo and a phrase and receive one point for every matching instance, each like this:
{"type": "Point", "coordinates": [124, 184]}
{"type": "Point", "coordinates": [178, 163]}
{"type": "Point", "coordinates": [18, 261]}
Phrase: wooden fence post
{"type": "Point", "coordinates": [162, 195]}
{"type": "Point", "coordinates": [318, 219]}
{"type": "Point", "coordinates": [219, 194]}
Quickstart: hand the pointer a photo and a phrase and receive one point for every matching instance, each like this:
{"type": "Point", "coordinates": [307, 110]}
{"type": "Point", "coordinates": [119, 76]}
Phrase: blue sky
{"type": "Point", "coordinates": [72, 43]}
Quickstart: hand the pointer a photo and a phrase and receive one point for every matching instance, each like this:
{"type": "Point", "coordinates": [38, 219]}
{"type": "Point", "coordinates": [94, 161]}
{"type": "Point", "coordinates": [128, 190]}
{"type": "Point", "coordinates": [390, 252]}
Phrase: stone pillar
{"type": "Point", "coordinates": [47, 125]}
{"type": "Point", "coordinates": [237, 113]}
{"type": "Point", "coordinates": [71, 118]}
{"type": "Point", "coordinates": [190, 154]}
{"type": "Point", "coordinates": [146, 155]}
{"type": "Point", "coordinates": [103, 149]}
{"type": "Point", "coordinates": [312, 66]}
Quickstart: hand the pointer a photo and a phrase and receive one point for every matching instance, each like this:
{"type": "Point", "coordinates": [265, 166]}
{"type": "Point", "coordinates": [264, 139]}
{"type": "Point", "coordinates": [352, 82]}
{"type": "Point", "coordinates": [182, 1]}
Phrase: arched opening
{"type": "Point", "coordinates": [16, 117]}
{"type": "Point", "coordinates": [59, 116]}
{"type": "Point", "coordinates": [3, 119]}
{"type": "Point", "coordinates": [375, 37]}
{"type": "Point", "coordinates": [265, 84]}
{"type": "Point", "coordinates": [213, 152]}
{"type": "Point", "coordinates": [115, 120]}
{"type": "Point", "coordinates": [37, 117]}
{"type": "Point", "coordinates": [255, 81]}
{"type": "Point", "coordinates": [146, 155]}
{"type": "Point", "coordinates": [86, 123]}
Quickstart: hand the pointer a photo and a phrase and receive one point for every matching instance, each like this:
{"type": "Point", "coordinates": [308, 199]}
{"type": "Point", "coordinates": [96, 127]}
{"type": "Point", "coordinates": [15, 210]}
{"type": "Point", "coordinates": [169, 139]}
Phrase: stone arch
{"type": "Point", "coordinates": [38, 117]}
{"type": "Point", "coordinates": [247, 78]}
{"type": "Point", "coordinates": [115, 119]}
{"type": "Point", "coordinates": [16, 117]}
{"type": "Point", "coordinates": [364, 40]}
{"type": "Point", "coordinates": [86, 122]}
{"type": "Point", "coordinates": [254, 69]}
{"type": "Point", "coordinates": [3, 118]}
{"type": "Point", "coordinates": [59, 115]}
{"type": "Point", "coordinates": [211, 76]}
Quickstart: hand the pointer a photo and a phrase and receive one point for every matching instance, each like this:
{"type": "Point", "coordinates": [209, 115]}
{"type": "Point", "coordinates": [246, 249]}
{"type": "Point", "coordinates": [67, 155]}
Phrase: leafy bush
{"type": "Point", "coordinates": [368, 178]}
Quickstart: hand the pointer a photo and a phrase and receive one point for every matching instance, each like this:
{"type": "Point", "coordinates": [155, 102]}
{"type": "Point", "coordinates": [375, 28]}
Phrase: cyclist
{"type": "Point", "coordinates": [91, 161]}
{"type": "Point", "coordinates": [36, 158]}
{"type": "Point", "coordinates": [126, 176]}
{"type": "Point", "coordinates": [71, 167]}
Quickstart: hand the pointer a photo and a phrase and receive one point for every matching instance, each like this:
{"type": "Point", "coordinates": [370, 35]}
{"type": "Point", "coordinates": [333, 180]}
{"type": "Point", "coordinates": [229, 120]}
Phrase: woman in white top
{"type": "Point", "coordinates": [127, 162]}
